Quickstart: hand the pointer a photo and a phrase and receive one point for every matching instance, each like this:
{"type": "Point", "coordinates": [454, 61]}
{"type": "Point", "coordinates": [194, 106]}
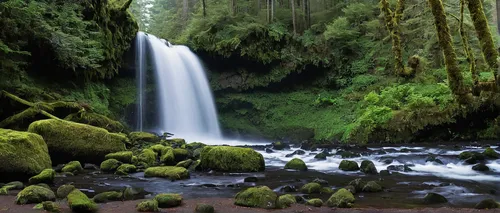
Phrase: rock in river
{"type": "Point", "coordinates": [261, 197]}
{"type": "Point", "coordinates": [231, 159]}
{"type": "Point", "coordinates": [296, 164]}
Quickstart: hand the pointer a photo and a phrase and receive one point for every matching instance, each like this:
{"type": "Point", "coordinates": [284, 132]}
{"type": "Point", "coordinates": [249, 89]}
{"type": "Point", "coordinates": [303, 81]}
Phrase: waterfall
{"type": "Point", "coordinates": [140, 63]}
{"type": "Point", "coordinates": [185, 102]}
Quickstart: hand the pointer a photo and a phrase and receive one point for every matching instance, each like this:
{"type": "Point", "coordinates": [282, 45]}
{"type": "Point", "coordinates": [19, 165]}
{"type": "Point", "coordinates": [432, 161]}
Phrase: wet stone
{"type": "Point", "coordinates": [288, 188]}
{"type": "Point", "coordinates": [269, 150]}
{"type": "Point", "coordinates": [321, 182]}
{"type": "Point", "coordinates": [296, 152]}
{"type": "Point", "coordinates": [251, 179]}
{"type": "Point", "coordinates": [481, 167]}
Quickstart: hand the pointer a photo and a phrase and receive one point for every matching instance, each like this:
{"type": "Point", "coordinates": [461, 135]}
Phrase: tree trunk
{"type": "Point", "coordinates": [308, 13]}
{"type": "Point", "coordinates": [304, 16]}
{"type": "Point", "coordinates": [185, 9]}
{"type": "Point", "coordinates": [392, 20]}
{"type": "Point", "coordinates": [204, 8]}
{"type": "Point", "coordinates": [267, 11]}
{"type": "Point", "coordinates": [455, 77]}
{"type": "Point", "coordinates": [483, 32]}
{"type": "Point", "coordinates": [272, 10]}
{"type": "Point", "coordinates": [468, 52]}
{"type": "Point", "coordinates": [293, 17]}
{"type": "Point", "coordinates": [498, 15]}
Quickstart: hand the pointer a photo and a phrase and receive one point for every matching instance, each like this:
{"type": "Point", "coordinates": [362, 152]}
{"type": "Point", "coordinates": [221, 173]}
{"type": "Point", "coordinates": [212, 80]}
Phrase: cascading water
{"type": "Point", "coordinates": [185, 102]}
{"type": "Point", "coordinates": [140, 63]}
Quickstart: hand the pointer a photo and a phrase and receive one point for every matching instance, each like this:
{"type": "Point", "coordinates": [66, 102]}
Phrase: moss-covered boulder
{"type": "Point", "coordinates": [170, 172]}
{"type": "Point", "coordinates": [133, 193]}
{"type": "Point", "coordinates": [185, 163]}
{"type": "Point", "coordinates": [195, 166]}
{"type": "Point", "coordinates": [168, 157]}
{"type": "Point", "coordinates": [125, 169]}
{"type": "Point", "coordinates": [261, 197]}
{"type": "Point", "coordinates": [176, 142]}
{"type": "Point", "coordinates": [70, 140]}
{"type": "Point", "coordinates": [471, 157]}
{"type": "Point", "coordinates": [487, 204]}
{"type": "Point", "coordinates": [147, 157]}
{"type": "Point", "coordinates": [296, 164]}
{"type": "Point", "coordinates": [15, 185]}
{"type": "Point", "coordinates": [280, 145]}
{"type": "Point", "coordinates": [358, 184]}
{"type": "Point", "coordinates": [368, 167]}
{"type": "Point", "coordinates": [49, 206]}
{"type": "Point", "coordinates": [231, 159]}
{"type": "Point", "coordinates": [180, 154]}
{"type": "Point", "coordinates": [434, 198]}
{"type": "Point", "coordinates": [195, 145]}
{"type": "Point", "coordinates": [123, 156]}
{"type": "Point", "coordinates": [316, 202]}
{"type": "Point", "coordinates": [491, 153]}
{"type": "Point", "coordinates": [327, 190]}
{"type": "Point", "coordinates": [110, 165]}
{"type": "Point", "coordinates": [481, 167]}
{"type": "Point", "coordinates": [372, 186]}
{"type": "Point", "coordinates": [168, 200]}
{"type": "Point", "coordinates": [311, 188]}
{"type": "Point", "coordinates": [46, 176]}
{"type": "Point", "coordinates": [72, 167]}
{"type": "Point", "coordinates": [341, 199]}
{"type": "Point", "coordinates": [64, 190]}
{"type": "Point", "coordinates": [105, 197]}
{"type": "Point", "coordinates": [147, 206]}
{"type": "Point", "coordinates": [285, 201]}
{"type": "Point", "coordinates": [97, 120]}
{"type": "Point", "coordinates": [79, 202]}
{"type": "Point", "coordinates": [144, 137]}
{"type": "Point", "coordinates": [22, 154]}
{"type": "Point", "coordinates": [204, 208]}
{"type": "Point", "coordinates": [35, 194]}
{"type": "Point", "coordinates": [159, 149]}
{"type": "Point", "coordinates": [320, 156]}
{"type": "Point", "coordinates": [347, 165]}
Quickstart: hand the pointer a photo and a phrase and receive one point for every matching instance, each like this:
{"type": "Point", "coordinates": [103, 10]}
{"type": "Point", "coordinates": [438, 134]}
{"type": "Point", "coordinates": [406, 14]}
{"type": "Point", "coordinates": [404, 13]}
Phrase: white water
{"type": "Point", "coordinates": [140, 63]}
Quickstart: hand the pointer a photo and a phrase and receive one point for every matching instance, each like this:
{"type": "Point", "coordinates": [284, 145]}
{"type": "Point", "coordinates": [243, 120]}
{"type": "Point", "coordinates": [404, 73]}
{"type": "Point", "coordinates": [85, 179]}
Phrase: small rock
{"type": "Point", "coordinates": [296, 164]}
{"type": "Point", "coordinates": [296, 152]}
{"type": "Point", "coordinates": [311, 188]}
{"type": "Point", "coordinates": [251, 179]}
{"type": "Point", "coordinates": [358, 184]}
{"type": "Point", "coordinates": [388, 161]}
{"type": "Point", "coordinates": [399, 168]}
{"type": "Point", "coordinates": [280, 145]}
{"type": "Point", "coordinates": [269, 150]}
{"type": "Point", "coordinates": [351, 189]}
{"type": "Point", "coordinates": [15, 185]}
{"type": "Point", "coordinates": [34, 194]}
{"type": "Point", "coordinates": [204, 208]}
{"type": "Point", "coordinates": [108, 196]}
{"type": "Point", "coordinates": [348, 154]}
{"type": "Point", "coordinates": [347, 165]}
{"type": "Point", "coordinates": [79, 202]}
{"type": "Point", "coordinates": [372, 186]}
{"type": "Point", "coordinates": [316, 202]}
{"type": "Point", "coordinates": [64, 190]}
{"type": "Point", "coordinates": [481, 167]}
{"type": "Point", "coordinates": [434, 198]}
{"type": "Point", "coordinates": [341, 199]}
{"type": "Point", "coordinates": [125, 169]}
{"type": "Point", "coordinates": [131, 193]}
{"type": "Point", "coordinates": [285, 201]}
{"type": "Point", "coordinates": [327, 191]}
{"type": "Point", "coordinates": [320, 156]}
{"type": "Point", "coordinates": [147, 206]}
{"type": "Point", "coordinates": [321, 182]}
{"type": "Point", "coordinates": [491, 153]}
{"type": "Point", "coordinates": [262, 197]}
{"type": "Point", "coordinates": [288, 188]}
{"type": "Point", "coordinates": [59, 167]}
{"type": "Point", "coordinates": [384, 173]}
{"type": "Point", "coordinates": [168, 200]}
{"type": "Point", "coordinates": [89, 166]}
{"type": "Point", "coordinates": [74, 167]}
{"type": "Point", "coordinates": [433, 159]}
{"type": "Point", "coordinates": [110, 165]}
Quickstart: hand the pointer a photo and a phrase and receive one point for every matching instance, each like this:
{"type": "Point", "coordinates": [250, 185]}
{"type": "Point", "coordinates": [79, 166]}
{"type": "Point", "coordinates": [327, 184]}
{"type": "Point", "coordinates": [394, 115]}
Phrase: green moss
{"type": "Point", "coordinates": [73, 167]}
{"type": "Point", "coordinates": [204, 208]}
{"type": "Point", "coordinates": [261, 197]}
{"type": "Point", "coordinates": [195, 166]}
{"type": "Point", "coordinates": [46, 176]}
{"type": "Point", "coordinates": [311, 188]}
{"type": "Point", "coordinates": [159, 149]}
{"type": "Point", "coordinates": [110, 165]}
{"type": "Point", "coordinates": [79, 202]}
{"type": "Point", "coordinates": [50, 206]}
{"type": "Point", "coordinates": [320, 156]}
{"type": "Point", "coordinates": [368, 167]}
{"type": "Point", "coordinates": [143, 136]}
{"type": "Point", "coordinates": [296, 164]}
{"type": "Point", "coordinates": [15, 185]}
{"type": "Point", "coordinates": [491, 153]}
{"type": "Point", "coordinates": [232, 159]}
{"type": "Point", "coordinates": [358, 184]}
{"type": "Point", "coordinates": [22, 153]}
{"type": "Point", "coordinates": [327, 190]}
{"type": "Point", "coordinates": [148, 157]}
{"type": "Point", "coordinates": [372, 186]}
{"type": "Point", "coordinates": [125, 169]}
{"type": "Point", "coordinates": [176, 141]}
{"type": "Point", "coordinates": [342, 199]}
{"type": "Point", "coordinates": [168, 157]}
{"type": "Point", "coordinates": [4, 190]}
{"type": "Point", "coordinates": [83, 142]}
{"type": "Point", "coordinates": [168, 200]}
{"type": "Point", "coordinates": [185, 163]}
{"type": "Point", "coordinates": [285, 201]}
{"type": "Point", "coordinates": [147, 206]}
{"type": "Point", "coordinates": [123, 156]}
{"type": "Point", "coordinates": [348, 165]}
{"type": "Point", "coordinates": [105, 197]}
{"type": "Point", "coordinates": [487, 204]}
{"type": "Point", "coordinates": [434, 198]}
{"type": "Point", "coordinates": [180, 154]}
{"type": "Point", "coordinates": [35, 194]}
{"type": "Point", "coordinates": [170, 172]}
{"type": "Point", "coordinates": [64, 190]}
{"type": "Point", "coordinates": [97, 120]}
{"type": "Point", "coordinates": [195, 145]}
{"type": "Point", "coordinates": [316, 202]}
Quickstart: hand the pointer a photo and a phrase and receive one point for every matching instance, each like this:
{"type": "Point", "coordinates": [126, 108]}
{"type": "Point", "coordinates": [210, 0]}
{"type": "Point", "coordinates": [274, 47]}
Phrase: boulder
{"type": "Point", "coordinates": [147, 206]}
{"type": "Point", "coordinates": [268, 150]}
{"type": "Point", "coordinates": [105, 197]}
{"type": "Point", "coordinates": [385, 173]}
{"type": "Point", "coordinates": [34, 194]}
{"type": "Point", "coordinates": [195, 145]}
{"type": "Point", "coordinates": [320, 156]}
{"type": "Point", "coordinates": [79, 202]}
{"type": "Point", "coordinates": [341, 199]}
{"type": "Point", "coordinates": [159, 149]}
{"type": "Point", "coordinates": [75, 141]}
{"type": "Point", "coordinates": [185, 163]}
{"type": "Point", "coordinates": [481, 167]}
{"type": "Point", "coordinates": [280, 145]}
{"type": "Point", "coordinates": [434, 198]}
{"type": "Point", "coordinates": [327, 191]}
{"type": "Point", "coordinates": [147, 157]}
{"type": "Point", "coordinates": [195, 166]}
{"type": "Point", "coordinates": [46, 176]}
{"type": "Point", "coordinates": [50, 206]}
{"type": "Point", "coordinates": [311, 188]}
{"type": "Point", "coordinates": [132, 193]}
{"type": "Point", "coordinates": [170, 172]}
{"type": "Point", "coordinates": [321, 182]}
{"type": "Point", "coordinates": [351, 189]}
{"type": "Point", "coordinates": [176, 142]}
{"type": "Point", "coordinates": [491, 153]}
{"type": "Point", "coordinates": [358, 184]}
{"type": "Point", "coordinates": [72, 167]}
{"type": "Point", "coordinates": [168, 200]}
{"type": "Point", "coordinates": [110, 165]}
{"type": "Point", "coordinates": [316, 202]}
{"type": "Point", "coordinates": [125, 169]}
{"type": "Point", "coordinates": [22, 154]}
{"type": "Point", "coordinates": [471, 157]}
{"type": "Point", "coordinates": [487, 204]}
{"type": "Point", "coordinates": [261, 197]}
{"type": "Point", "coordinates": [347, 165]}
{"type": "Point", "coordinates": [180, 154]}
{"type": "Point", "coordinates": [204, 208]}
{"type": "Point", "coordinates": [123, 156]}
{"type": "Point", "coordinates": [64, 190]}
{"type": "Point", "coordinates": [4, 190]}
{"type": "Point", "coordinates": [90, 166]}
{"type": "Point", "coordinates": [434, 159]}
{"type": "Point", "coordinates": [368, 167]}
{"type": "Point", "coordinates": [348, 154]}
{"type": "Point", "coordinates": [296, 164]}
{"type": "Point", "coordinates": [231, 159]}
{"type": "Point", "coordinates": [399, 168]}
{"type": "Point", "coordinates": [143, 137]}
{"type": "Point", "coordinates": [168, 157]}
{"type": "Point", "coordinates": [285, 201]}
{"type": "Point", "coordinates": [97, 120]}
{"type": "Point", "coordinates": [296, 152]}
{"type": "Point", "coordinates": [372, 186]}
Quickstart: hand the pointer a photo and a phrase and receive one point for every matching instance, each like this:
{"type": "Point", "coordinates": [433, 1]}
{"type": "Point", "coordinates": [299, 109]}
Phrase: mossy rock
{"type": "Point", "coordinates": [159, 149]}
{"type": "Point", "coordinates": [231, 159]}
{"type": "Point", "coordinates": [4, 190]}
{"type": "Point", "coordinates": [110, 165]}
{"type": "Point", "coordinates": [50, 206]}
{"type": "Point", "coordinates": [471, 157]}
{"type": "Point", "coordinates": [132, 193]}
{"type": "Point", "coordinates": [180, 154]}
{"type": "Point", "coordinates": [434, 159]}
{"type": "Point", "coordinates": [73, 167]}
{"type": "Point", "coordinates": [64, 190]}
{"type": "Point", "coordinates": [481, 167]}
{"type": "Point", "coordinates": [372, 186]}
{"type": "Point", "coordinates": [487, 204]}
{"type": "Point", "coordinates": [15, 185]}
{"type": "Point", "coordinates": [79, 202]}
{"type": "Point", "coordinates": [195, 145]}
{"type": "Point", "coordinates": [44, 185]}
{"type": "Point", "coordinates": [285, 201]}
{"type": "Point", "coordinates": [368, 167]}
{"type": "Point", "coordinates": [280, 145]}
{"type": "Point", "coordinates": [97, 120]}
{"type": "Point", "coordinates": [261, 197]}
{"type": "Point", "coordinates": [341, 199]}
{"type": "Point", "coordinates": [311, 188]}
{"type": "Point", "coordinates": [148, 157]}
{"type": "Point", "coordinates": [105, 197]}
{"type": "Point", "coordinates": [46, 176]}
{"type": "Point", "coordinates": [123, 156]}
{"type": "Point", "coordinates": [327, 191]}
{"type": "Point", "coordinates": [176, 142]}
{"type": "Point", "coordinates": [347, 165]}
{"type": "Point", "coordinates": [195, 166]}
{"type": "Point", "coordinates": [170, 172]}
{"type": "Point", "coordinates": [204, 208]}
{"type": "Point", "coordinates": [296, 164]}
{"type": "Point", "coordinates": [147, 206]}
{"type": "Point", "coordinates": [168, 200]}
{"type": "Point", "coordinates": [185, 163]}
{"type": "Point", "coordinates": [168, 158]}
{"type": "Point", "coordinates": [125, 169]}
{"type": "Point", "coordinates": [143, 136]}
{"type": "Point", "coordinates": [348, 154]}
{"type": "Point", "coordinates": [491, 153]}
{"type": "Point", "coordinates": [316, 202]}
{"type": "Point", "coordinates": [358, 184]}
{"type": "Point", "coordinates": [70, 140]}
{"type": "Point", "coordinates": [320, 156]}
{"type": "Point", "coordinates": [22, 154]}
{"type": "Point", "coordinates": [35, 194]}
{"type": "Point", "coordinates": [434, 198]}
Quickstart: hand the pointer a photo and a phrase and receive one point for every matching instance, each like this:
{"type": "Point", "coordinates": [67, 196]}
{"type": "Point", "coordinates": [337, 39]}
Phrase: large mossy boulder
{"type": "Point", "coordinates": [147, 157]}
{"type": "Point", "coordinates": [72, 167]}
{"type": "Point", "coordinates": [285, 201]}
{"type": "Point", "coordinates": [105, 197]}
{"type": "Point", "coordinates": [311, 188]}
{"type": "Point", "coordinates": [170, 172]}
{"type": "Point", "coordinates": [434, 198]}
{"type": "Point", "coordinates": [491, 153]}
{"type": "Point", "coordinates": [123, 156]}
{"type": "Point", "coordinates": [368, 167]}
{"type": "Point", "coordinates": [168, 200]}
{"type": "Point", "coordinates": [261, 197]}
{"type": "Point", "coordinates": [110, 165]}
{"type": "Point", "coordinates": [22, 154]}
{"type": "Point", "coordinates": [180, 154]}
{"type": "Point", "coordinates": [341, 199]}
{"type": "Point", "coordinates": [143, 137]}
{"type": "Point", "coordinates": [79, 202]}
{"type": "Point", "coordinates": [487, 204]}
{"type": "Point", "coordinates": [96, 120]}
{"type": "Point", "coordinates": [347, 165]}
{"type": "Point", "coordinates": [296, 164]}
{"type": "Point", "coordinates": [231, 159]}
{"type": "Point", "coordinates": [147, 206]}
{"type": "Point", "coordinates": [125, 169]}
{"type": "Point", "coordinates": [35, 194]}
{"type": "Point", "coordinates": [75, 141]}
{"type": "Point", "coordinates": [46, 176]}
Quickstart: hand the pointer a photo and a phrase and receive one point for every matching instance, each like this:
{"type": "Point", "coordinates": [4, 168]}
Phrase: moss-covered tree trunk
{"type": "Point", "coordinates": [292, 2]}
{"type": "Point", "coordinates": [392, 20]}
{"type": "Point", "coordinates": [455, 77]}
{"type": "Point", "coordinates": [490, 54]}
{"type": "Point", "coordinates": [468, 52]}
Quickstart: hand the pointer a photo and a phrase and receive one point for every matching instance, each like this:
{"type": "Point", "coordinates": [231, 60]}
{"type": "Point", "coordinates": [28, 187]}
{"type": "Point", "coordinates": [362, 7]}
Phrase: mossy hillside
{"type": "Point", "coordinates": [231, 159]}
{"type": "Point", "coordinates": [22, 153]}
{"type": "Point", "coordinates": [69, 140]}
